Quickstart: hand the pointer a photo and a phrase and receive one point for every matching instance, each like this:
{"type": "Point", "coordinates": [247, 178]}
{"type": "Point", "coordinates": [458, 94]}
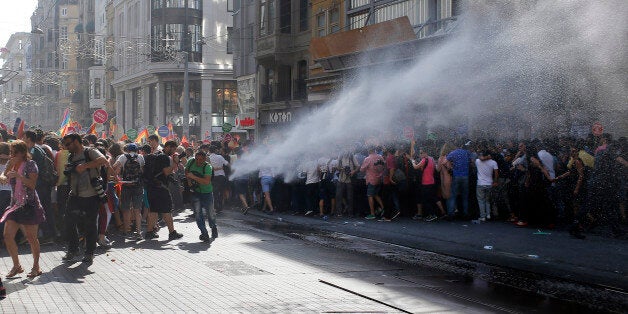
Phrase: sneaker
{"type": "Point", "coordinates": [88, 258]}
{"type": "Point", "coordinates": [482, 219]}
{"type": "Point", "coordinates": [204, 237]}
{"type": "Point", "coordinates": [417, 217]}
{"type": "Point", "coordinates": [521, 223]}
{"type": "Point", "coordinates": [104, 243]}
{"type": "Point", "coordinates": [379, 212]}
{"type": "Point", "coordinates": [395, 215]}
{"type": "Point", "coordinates": [431, 218]}
{"type": "Point", "coordinates": [245, 210]}
{"type": "Point", "coordinates": [151, 235]}
{"type": "Point", "coordinates": [370, 217]}
{"type": "Point", "coordinates": [174, 235]}
{"type": "Point", "coordinates": [309, 212]}
{"type": "Point", "coordinates": [69, 256]}
{"type": "Point", "coordinates": [137, 236]}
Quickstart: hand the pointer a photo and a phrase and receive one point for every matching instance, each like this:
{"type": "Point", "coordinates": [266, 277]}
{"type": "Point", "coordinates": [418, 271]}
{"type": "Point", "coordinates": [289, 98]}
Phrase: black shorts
{"type": "Point", "coordinates": [241, 186]}
{"type": "Point", "coordinates": [159, 199]}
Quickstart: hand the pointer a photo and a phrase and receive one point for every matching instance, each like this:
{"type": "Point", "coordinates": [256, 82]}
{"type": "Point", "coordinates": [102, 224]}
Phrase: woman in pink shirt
{"type": "Point", "coordinates": [428, 186]}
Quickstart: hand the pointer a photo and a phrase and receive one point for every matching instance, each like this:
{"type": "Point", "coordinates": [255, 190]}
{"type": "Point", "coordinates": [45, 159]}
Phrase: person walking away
{"type": "Point", "coordinates": [198, 170]}
{"type": "Point", "coordinates": [312, 182]}
{"type": "Point", "coordinates": [444, 169]}
{"type": "Point", "coordinates": [130, 166]}
{"type": "Point", "coordinates": [374, 167]}
{"type": "Point", "coordinates": [86, 195]}
{"type": "Point", "coordinates": [487, 176]}
{"type": "Point", "coordinates": [25, 211]}
{"type": "Point", "coordinates": [348, 166]}
{"type": "Point", "coordinates": [157, 170]}
{"type": "Point", "coordinates": [460, 159]}
{"type": "Point", "coordinates": [219, 181]}
{"type": "Point", "coordinates": [429, 199]}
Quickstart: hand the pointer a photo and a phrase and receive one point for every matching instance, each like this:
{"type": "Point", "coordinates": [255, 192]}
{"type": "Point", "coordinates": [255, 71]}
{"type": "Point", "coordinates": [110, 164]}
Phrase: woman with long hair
{"type": "Point", "coordinates": [25, 211]}
{"type": "Point", "coordinates": [444, 169]}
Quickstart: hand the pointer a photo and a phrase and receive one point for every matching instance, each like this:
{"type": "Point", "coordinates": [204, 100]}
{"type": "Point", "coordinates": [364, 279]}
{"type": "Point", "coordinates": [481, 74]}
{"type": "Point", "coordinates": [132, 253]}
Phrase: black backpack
{"type": "Point", "coordinates": [131, 170]}
{"type": "Point", "coordinates": [47, 172]}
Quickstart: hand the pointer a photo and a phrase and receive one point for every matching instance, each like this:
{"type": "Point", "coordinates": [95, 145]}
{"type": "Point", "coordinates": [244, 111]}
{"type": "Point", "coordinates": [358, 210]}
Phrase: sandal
{"type": "Point", "coordinates": [34, 273]}
{"type": "Point", "coordinates": [14, 271]}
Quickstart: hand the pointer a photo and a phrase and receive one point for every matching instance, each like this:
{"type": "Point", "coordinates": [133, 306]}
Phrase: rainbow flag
{"type": "Point", "coordinates": [142, 135]}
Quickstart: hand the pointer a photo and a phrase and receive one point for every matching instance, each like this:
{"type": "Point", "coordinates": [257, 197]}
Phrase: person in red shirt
{"type": "Point", "coordinates": [374, 167]}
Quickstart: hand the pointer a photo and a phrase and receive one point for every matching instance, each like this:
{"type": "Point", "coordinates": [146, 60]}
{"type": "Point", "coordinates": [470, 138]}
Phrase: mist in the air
{"type": "Point", "coordinates": [507, 62]}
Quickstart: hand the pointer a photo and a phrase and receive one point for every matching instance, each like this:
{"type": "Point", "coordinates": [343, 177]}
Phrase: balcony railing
{"type": "Point", "coordinates": [436, 28]}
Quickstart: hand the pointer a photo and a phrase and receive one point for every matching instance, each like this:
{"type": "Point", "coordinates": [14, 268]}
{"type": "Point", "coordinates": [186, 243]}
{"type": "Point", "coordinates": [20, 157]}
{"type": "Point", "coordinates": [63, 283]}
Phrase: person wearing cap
{"type": "Point", "coordinates": [199, 171]}
{"type": "Point", "coordinates": [130, 166]}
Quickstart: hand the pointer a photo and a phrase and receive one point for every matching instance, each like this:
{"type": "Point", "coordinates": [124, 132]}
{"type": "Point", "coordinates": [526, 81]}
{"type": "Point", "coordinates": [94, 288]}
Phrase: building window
{"type": "Point", "coordinates": [49, 35]}
{"type": "Point", "coordinates": [97, 88]}
{"type": "Point", "coordinates": [262, 17]}
{"type": "Point", "coordinates": [64, 11]}
{"type": "Point", "coordinates": [334, 21]}
{"type": "Point", "coordinates": [19, 65]}
{"type": "Point", "coordinates": [230, 6]}
{"type": "Point", "coordinates": [168, 39]}
{"type": "Point", "coordinates": [251, 38]}
{"type": "Point", "coordinates": [19, 45]}
{"type": "Point", "coordinates": [320, 25]}
{"type": "Point", "coordinates": [229, 40]}
{"type": "Point", "coordinates": [63, 33]}
{"type": "Point", "coordinates": [304, 22]}
{"type": "Point", "coordinates": [285, 16]}
{"type": "Point", "coordinates": [19, 87]}
{"type": "Point", "coordinates": [64, 89]}
{"type": "Point", "coordinates": [64, 63]}
{"type": "Point", "coordinates": [174, 104]}
{"type": "Point", "coordinates": [224, 101]}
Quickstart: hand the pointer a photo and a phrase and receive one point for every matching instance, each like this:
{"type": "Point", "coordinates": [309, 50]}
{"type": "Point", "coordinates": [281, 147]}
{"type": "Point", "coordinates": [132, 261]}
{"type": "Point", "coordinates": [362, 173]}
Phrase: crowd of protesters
{"type": "Point", "coordinates": [568, 182]}
{"type": "Point", "coordinates": [68, 190]}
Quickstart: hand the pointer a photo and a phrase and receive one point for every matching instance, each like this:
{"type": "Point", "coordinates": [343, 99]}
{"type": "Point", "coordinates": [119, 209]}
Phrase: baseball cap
{"type": "Point", "coordinates": [131, 147]}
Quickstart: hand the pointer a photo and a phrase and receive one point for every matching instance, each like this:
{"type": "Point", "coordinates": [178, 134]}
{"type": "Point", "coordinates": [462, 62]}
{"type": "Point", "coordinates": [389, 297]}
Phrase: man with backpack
{"type": "Point", "coordinates": [46, 181]}
{"type": "Point", "coordinates": [130, 165]}
{"type": "Point", "coordinates": [158, 170]}
{"type": "Point", "coordinates": [86, 191]}
{"type": "Point", "coordinates": [199, 174]}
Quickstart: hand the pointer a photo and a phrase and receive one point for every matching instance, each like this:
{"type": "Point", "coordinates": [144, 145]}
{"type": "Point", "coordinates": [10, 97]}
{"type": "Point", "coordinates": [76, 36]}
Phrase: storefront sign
{"type": "Point", "coordinates": [226, 127]}
{"type": "Point", "coordinates": [244, 122]}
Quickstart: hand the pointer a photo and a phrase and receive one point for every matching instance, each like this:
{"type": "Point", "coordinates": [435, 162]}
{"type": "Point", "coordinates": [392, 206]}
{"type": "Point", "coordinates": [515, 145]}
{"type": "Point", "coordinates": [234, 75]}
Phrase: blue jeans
{"type": "Point", "coordinates": [203, 204]}
{"type": "Point", "coordinates": [459, 185]}
{"type": "Point", "coordinates": [484, 201]}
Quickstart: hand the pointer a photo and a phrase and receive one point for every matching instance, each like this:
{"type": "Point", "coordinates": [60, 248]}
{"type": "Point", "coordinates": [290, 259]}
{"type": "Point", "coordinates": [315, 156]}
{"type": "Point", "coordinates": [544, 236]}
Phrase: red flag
{"type": "Point", "coordinates": [20, 130]}
{"type": "Point", "coordinates": [184, 140]}
{"type": "Point", "coordinates": [124, 137]}
{"type": "Point", "coordinates": [104, 135]}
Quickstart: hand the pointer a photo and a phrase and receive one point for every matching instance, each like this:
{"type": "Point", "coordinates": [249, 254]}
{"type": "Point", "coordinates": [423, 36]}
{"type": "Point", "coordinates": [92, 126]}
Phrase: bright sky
{"type": "Point", "coordinates": [15, 16]}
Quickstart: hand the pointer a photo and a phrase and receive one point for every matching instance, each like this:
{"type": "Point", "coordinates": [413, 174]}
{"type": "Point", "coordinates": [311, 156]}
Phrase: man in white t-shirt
{"type": "Point", "coordinates": [219, 181]}
{"type": "Point", "coordinates": [487, 178]}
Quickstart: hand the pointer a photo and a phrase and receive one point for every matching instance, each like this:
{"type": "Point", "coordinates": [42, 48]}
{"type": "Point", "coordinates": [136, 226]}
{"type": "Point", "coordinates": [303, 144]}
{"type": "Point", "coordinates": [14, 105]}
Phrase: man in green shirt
{"type": "Point", "coordinates": [199, 174]}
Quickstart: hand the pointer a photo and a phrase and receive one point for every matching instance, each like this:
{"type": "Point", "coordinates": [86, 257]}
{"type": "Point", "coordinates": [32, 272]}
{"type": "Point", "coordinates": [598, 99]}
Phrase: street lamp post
{"type": "Point", "coordinates": [186, 98]}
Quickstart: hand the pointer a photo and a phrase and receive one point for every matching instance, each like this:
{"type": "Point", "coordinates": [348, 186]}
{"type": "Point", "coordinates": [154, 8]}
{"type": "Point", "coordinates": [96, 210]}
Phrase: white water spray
{"type": "Point", "coordinates": [508, 62]}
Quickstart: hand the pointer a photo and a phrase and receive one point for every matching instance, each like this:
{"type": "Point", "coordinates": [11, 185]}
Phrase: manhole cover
{"type": "Point", "coordinates": [235, 268]}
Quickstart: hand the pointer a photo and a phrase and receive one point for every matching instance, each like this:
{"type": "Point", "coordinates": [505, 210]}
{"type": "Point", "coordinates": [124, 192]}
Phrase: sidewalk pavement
{"type": "Point", "coordinates": [245, 270]}
{"type": "Point", "coordinates": [597, 260]}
